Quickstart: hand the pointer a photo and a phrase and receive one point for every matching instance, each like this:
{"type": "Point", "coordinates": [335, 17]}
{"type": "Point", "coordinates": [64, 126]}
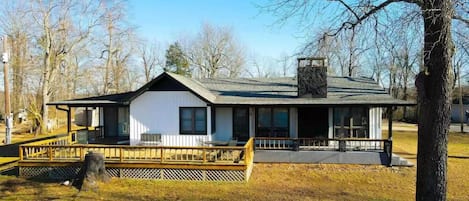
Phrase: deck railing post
{"type": "Point", "coordinates": [21, 153]}
{"type": "Point", "coordinates": [50, 153]}
{"type": "Point", "coordinates": [162, 154]}
{"type": "Point", "coordinates": [121, 154]}
{"type": "Point", "coordinates": [204, 155]}
{"type": "Point", "coordinates": [81, 153]}
{"type": "Point", "coordinates": [296, 144]}
{"type": "Point", "coordinates": [342, 145]}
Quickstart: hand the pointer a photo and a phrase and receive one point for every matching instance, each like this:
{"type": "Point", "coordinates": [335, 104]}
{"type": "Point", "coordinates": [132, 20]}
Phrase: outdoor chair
{"type": "Point", "coordinates": [232, 143]}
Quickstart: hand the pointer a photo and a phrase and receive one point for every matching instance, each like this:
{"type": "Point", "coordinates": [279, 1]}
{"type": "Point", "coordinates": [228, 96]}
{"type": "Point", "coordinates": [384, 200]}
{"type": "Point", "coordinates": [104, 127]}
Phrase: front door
{"type": "Point", "coordinates": [110, 121]}
{"type": "Point", "coordinates": [313, 122]}
{"type": "Point", "coordinates": [241, 123]}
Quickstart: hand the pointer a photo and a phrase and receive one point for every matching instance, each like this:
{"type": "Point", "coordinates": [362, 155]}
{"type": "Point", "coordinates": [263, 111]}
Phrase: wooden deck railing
{"type": "Point", "coordinates": [345, 144]}
{"type": "Point", "coordinates": [152, 154]}
{"type": "Point", "coordinates": [60, 140]}
{"type": "Point", "coordinates": [57, 141]}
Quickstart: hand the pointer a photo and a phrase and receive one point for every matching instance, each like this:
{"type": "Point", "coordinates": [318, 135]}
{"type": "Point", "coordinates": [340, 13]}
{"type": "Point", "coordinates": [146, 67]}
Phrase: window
{"type": "Point", "coordinates": [351, 122]}
{"type": "Point", "coordinates": [193, 120]}
{"type": "Point", "coordinates": [241, 123]}
{"type": "Point", "coordinates": [272, 122]}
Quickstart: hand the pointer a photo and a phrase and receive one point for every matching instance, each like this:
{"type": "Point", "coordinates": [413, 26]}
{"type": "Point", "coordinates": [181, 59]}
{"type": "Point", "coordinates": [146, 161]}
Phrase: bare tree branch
{"type": "Point", "coordinates": [374, 9]}
{"type": "Point", "coordinates": [461, 19]}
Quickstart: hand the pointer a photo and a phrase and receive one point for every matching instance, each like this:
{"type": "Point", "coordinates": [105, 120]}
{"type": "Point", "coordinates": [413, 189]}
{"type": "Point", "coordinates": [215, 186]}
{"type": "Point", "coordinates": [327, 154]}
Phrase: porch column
{"type": "Point", "coordinates": [86, 117]}
{"type": "Point", "coordinates": [69, 120]}
{"type": "Point", "coordinates": [69, 117]}
{"type": "Point", "coordinates": [252, 121]}
{"type": "Point", "coordinates": [390, 134]}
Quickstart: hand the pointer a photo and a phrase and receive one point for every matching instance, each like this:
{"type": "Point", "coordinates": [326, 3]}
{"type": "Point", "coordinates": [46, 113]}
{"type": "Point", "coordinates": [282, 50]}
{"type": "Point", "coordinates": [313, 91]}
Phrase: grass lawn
{"type": "Point", "coordinates": [272, 182]}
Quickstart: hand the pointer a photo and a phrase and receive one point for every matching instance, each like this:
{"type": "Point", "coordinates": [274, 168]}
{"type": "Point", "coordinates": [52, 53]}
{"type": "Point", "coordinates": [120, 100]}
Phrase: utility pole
{"type": "Point", "coordinates": [8, 118]}
{"type": "Point", "coordinates": [462, 112]}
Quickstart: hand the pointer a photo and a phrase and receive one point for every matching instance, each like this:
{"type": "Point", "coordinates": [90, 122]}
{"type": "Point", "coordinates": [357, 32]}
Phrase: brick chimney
{"type": "Point", "coordinates": [312, 77]}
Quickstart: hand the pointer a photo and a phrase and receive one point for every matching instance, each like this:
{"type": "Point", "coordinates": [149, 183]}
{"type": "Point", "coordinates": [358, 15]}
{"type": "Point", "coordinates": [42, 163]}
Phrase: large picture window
{"type": "Point", "coordinates": [351, 122]}
{"type": "Point", "coordinates": [272, 122]}
{"type": "Point", "coordinates": [193, 120]}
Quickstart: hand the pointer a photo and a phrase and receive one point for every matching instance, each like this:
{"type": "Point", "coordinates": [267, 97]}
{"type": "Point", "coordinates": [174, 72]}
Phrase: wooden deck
{"type": "Point", "coordinates": [64, 153]}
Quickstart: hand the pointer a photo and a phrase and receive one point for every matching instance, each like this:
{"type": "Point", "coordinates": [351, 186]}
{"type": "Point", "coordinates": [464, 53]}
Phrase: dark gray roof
{"type": "Point", "coordinates": [260, 91]}
{"type": "Point", "coordinates": [279, 91]}
{"type": "Point", "coordinates": [112, 99]}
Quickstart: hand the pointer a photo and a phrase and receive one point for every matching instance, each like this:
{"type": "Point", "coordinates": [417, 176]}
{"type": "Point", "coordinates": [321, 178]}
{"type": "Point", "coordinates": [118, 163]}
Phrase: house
{"type": "Point", "coordinates": [187, 112]}
{"type": "Point", "coordinates": [456, 110]}
{"type": "Point", "coordinates": [311, 118]}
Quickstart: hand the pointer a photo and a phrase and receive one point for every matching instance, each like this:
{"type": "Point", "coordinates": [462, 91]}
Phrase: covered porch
{"type": "Point", "coordinates": [310, 133]}
{"type": "Point", "coordinates": [98, 120]}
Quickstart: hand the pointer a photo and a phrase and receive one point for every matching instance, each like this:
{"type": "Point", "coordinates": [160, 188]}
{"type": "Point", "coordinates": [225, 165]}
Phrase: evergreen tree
{"type": "Point", "coordinates": [176, 62]}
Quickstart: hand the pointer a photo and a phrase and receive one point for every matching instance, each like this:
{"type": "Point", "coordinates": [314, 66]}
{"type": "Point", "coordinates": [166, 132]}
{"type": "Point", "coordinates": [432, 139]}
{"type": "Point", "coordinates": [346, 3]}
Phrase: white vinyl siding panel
{"type": "Point", "coordinates": [293, 122]}
{"type": "Point", "coordinates": [375, 122]}
{"type": "Point", "coordinates": [158, 112]}
{"type": "Point", "coordinates": [331, 123]}
{"type": "Point", "coordinates": [224, 124]}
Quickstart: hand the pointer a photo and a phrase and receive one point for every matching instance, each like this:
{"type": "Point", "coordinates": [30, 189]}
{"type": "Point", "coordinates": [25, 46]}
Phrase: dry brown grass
{"type": "Point", "coordinates": [271, 182]}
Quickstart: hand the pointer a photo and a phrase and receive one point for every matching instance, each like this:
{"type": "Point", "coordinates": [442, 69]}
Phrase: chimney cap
{"type": "Point", "coordinates": [311, 61]}
{"type": "Point", "coordinates": [311, 58]}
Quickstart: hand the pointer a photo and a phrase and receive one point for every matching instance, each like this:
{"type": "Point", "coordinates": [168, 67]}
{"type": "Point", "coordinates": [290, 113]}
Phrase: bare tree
{"type": "Point", "coordinates": [433, 83]}
{"type": "Point", "coordinates": [118, 43]}
{"type": "Point", "coordinates": [149, 57]}
{"type": "Point", "coordinates": [15, 25]}
{"type": "Point", "coordinates": [285, 63]}
{"type": "Point", "coordinates": [57, 39]}
{"type": "Point", "coordinates": [216, 53]}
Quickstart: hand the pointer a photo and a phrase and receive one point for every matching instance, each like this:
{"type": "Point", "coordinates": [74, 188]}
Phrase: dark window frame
{"type": "Point", "coordinates": [366, 127]}
{"type": "Point", "coordinates": [193, 130]}
{"type": "Point", "coordinates": [233, 123]}
{"type": "Point", "coordinates": [272, 121]}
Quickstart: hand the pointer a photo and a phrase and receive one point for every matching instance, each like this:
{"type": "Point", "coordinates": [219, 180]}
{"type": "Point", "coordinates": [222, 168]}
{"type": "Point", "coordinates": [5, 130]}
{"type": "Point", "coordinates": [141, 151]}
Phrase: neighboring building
{"type": "Point", "coordinates": [456, 108]}
{"type": "Point", "coordinates": [187, 111]}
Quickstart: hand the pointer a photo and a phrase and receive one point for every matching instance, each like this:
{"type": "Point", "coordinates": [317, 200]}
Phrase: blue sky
{"type": "Point", "coordinates": [168, 20]}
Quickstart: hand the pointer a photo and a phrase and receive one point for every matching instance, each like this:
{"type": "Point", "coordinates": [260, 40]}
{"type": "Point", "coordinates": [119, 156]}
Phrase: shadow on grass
{"type": "Point", "coordinates": [406, 155]}
{"type": "Point", "coordinates": [13, 171]}
{"type": "Point", "coordinates": [33, 189]}
{"type": "Point", "coordinates": [17, 186]}
{"type": "Point", "coordinates": [458, 157]}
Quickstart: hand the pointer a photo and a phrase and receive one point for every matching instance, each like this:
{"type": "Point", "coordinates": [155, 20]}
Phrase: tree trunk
{"type": "Point", "coordinates": [45, 95]}
{"type": "Point", "coordinates": [46, 77]}
{"type": "Point", "coordinates": [434, 96]}
{"type": "Point", "coordinates": [93, 170]}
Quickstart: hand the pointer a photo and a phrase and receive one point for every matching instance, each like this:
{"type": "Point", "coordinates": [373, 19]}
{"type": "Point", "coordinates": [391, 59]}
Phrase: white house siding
{"type": "Point", "coordinates": [184, 140]}
{"type": "Point", "coordinates": [101, 116]}
{"type": "Point", "coordinates": [331, 123]}
{"type": "Point", "coordinates": [224, 123]}
{"type": "Point", "coordinates": [375, 122]}
{"type": "Point", "coordinates": [293, 122]}
{"type": "Point", "coordinates": [158, 112]}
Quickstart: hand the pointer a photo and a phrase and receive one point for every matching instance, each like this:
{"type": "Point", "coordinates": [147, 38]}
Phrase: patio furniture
{"type": "Point", "coordinates": [150, 139]}
{"type": "Point", "coordinates": [217, 143]}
